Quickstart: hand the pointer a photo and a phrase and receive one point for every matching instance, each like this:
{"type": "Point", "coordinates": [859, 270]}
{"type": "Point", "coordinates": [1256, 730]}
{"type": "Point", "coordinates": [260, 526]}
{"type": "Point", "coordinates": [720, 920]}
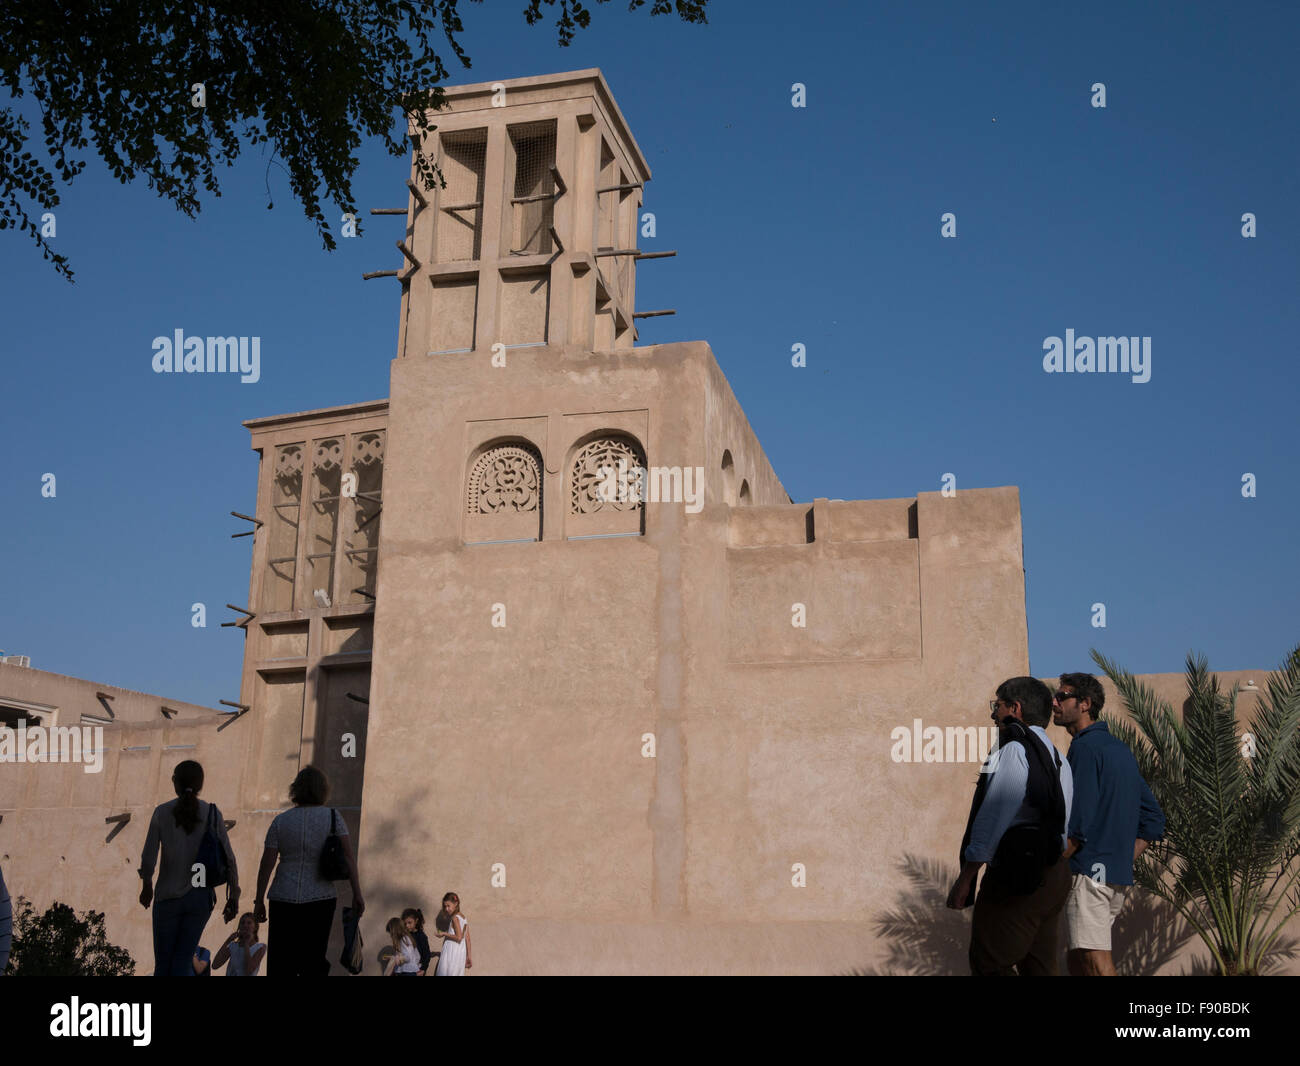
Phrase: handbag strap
{"type": "Point", "coordinates": [333, 828]}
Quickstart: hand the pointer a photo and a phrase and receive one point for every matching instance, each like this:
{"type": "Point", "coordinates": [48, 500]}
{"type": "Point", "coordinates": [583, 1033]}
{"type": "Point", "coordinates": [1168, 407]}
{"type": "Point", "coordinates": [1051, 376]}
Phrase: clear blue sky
{"type": "Point", "coordinates": [817, 225]}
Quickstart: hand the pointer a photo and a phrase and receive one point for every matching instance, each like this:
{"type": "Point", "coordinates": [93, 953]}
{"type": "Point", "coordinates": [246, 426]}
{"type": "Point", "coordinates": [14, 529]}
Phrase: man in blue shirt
{"type": "Point", "coordinates": [1017, 825]}
{"type": "Point", "coordinates": [1115, 816]}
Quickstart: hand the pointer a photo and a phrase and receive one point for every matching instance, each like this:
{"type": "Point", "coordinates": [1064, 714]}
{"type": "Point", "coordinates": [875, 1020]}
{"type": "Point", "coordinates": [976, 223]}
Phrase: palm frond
{"type": "Point", "coordinates": [1230, 862]}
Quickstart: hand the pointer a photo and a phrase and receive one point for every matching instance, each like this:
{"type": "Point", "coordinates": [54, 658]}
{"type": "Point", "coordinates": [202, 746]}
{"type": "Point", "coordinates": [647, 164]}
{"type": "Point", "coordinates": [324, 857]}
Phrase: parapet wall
{"type": "Point", "coordinates": [829, 582]}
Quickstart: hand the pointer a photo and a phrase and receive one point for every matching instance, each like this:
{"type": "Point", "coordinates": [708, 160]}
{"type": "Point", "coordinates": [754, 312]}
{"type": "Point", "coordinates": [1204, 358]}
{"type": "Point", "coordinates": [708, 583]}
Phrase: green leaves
{"type": "Point", "coordinates": [1229, 860]}
{"type": "Point", "coordinates": [59, 943]}
{"type": "Point", "coordinates": [311, 80]}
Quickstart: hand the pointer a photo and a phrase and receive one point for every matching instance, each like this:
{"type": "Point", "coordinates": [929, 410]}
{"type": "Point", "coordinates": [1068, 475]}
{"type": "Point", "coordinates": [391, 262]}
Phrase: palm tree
{"type": "Point", "coordinates": [1228, 863]}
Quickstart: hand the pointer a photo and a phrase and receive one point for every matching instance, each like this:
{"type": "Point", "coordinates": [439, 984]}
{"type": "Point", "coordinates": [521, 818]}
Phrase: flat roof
{"type": "Point", "coordinates": [368, 407]}
{"type": "Point", "coordinates": [592, 74]}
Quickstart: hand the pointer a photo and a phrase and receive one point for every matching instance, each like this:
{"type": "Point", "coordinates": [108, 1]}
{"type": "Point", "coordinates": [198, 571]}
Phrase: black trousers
{"type": "Point", "coordinates": [299, 938]}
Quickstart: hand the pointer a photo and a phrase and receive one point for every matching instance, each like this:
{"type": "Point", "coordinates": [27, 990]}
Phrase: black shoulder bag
{"type": "Point", "coordinates": [333, 861]}
{"type": "Point", "coordinates": [211, 854]}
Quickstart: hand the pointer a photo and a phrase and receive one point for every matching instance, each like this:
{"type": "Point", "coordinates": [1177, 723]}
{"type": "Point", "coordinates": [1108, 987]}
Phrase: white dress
{"type": "Point", "coordinates": [235, 967]}
{"type": "Point", "coordinates": [451, 963]}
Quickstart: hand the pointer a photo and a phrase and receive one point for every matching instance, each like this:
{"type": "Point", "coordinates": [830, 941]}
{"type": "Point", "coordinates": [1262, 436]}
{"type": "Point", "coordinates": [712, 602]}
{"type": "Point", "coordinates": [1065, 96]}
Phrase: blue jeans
{"type": "Point", "coordinates": [177, 926]}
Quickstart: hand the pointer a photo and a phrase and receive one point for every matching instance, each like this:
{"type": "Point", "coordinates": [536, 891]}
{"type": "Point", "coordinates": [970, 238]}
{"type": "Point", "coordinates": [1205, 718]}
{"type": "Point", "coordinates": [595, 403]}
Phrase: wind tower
{"type": "Point", "coordinates": [532, 242]}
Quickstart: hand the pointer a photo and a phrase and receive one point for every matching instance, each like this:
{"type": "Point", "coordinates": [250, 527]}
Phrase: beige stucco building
{"type": "Point", "coordinates": [640, 725]}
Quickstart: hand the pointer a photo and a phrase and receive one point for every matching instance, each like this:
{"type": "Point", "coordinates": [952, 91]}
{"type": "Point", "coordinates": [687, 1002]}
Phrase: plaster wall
{"type": "Point", "coordinates": [55, 840]}
{"type": "Point", "coordinates": [516, 751]}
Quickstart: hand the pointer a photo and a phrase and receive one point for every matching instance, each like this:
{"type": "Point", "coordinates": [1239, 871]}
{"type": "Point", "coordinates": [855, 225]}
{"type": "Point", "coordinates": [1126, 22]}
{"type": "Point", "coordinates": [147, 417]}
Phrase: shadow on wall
{"type": "Point", "coordinates": [924, 938]}
{"type": "Point", "coordinates": [340, 750]}
{"type": "Point", "coordinates": [1284, 950]}
{"type": "Point", "coordinates": [383, 900]}
{"type": "Point", "coordinates": [1147, 935]}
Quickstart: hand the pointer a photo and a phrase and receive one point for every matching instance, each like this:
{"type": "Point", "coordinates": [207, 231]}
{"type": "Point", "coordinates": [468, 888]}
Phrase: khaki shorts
{"type": "Point", "coordinates": [1090, 911]}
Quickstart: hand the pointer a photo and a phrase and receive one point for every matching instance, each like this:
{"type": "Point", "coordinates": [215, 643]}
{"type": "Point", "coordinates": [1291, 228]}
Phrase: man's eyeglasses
{"type": "Point", "coordinates": [1061, 697]}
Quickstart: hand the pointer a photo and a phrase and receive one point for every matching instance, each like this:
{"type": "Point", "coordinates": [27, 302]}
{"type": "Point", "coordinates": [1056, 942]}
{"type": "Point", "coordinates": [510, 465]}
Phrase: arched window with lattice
{"type": "Point", "coordinates": [503, 493]}
{"type": "Point", "coordinates": [606, 490]}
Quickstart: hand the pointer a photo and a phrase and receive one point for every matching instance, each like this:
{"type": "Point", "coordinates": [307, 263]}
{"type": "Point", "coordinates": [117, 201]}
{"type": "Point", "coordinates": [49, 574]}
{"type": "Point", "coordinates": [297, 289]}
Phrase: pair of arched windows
{"type": "Point", "coordinates": [604, 472]}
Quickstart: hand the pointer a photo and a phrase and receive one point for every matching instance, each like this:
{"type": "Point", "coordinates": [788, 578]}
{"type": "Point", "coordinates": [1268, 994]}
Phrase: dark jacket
{"type": "Point", "coordinates": [422, 946]}
{"type": "Point", "coordinates": [1113, 807]}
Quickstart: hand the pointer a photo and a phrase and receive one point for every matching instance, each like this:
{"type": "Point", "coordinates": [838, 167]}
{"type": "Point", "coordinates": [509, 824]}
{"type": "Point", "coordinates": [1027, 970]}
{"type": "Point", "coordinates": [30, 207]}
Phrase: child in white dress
{"type": "Point", "coordinates": [456, 955]}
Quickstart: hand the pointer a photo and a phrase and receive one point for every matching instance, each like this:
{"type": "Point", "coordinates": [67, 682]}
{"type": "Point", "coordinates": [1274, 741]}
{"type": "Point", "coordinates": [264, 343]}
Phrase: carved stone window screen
{"type": "Point", "coordinates": [505, 479]}
{"type": "Point", "coordinates": [600, 464]}
{"type": "Point", "coordinates": [327, 454]}
{"type": "Point", "coordinates": [317, 576]}
{"type": "Point", "coordinates": [283, 526]}
{"type": "Point", "coordinates": [368, 448]}
{"type": "Point", "coordinates": [323, 529]}
{"type": "Point", "coordinates": [359, 562]}
{"type": "Point", "coordinates": [288, 463]}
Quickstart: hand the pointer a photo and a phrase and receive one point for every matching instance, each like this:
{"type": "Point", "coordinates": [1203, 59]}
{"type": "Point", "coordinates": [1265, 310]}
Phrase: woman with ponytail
{"type": "Point", "coordinates": [181, 910]}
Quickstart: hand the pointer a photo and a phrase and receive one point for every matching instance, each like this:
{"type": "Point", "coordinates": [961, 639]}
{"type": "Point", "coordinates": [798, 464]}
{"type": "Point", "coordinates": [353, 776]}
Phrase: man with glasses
{"type": "Point", "coordinates": [1017, 826]}
{"type": "Point", "coordinates": [1115, 816]}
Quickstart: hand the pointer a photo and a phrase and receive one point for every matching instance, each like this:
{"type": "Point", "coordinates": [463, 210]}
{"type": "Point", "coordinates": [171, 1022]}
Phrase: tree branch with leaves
{"type": "Point", "coordinates": [169, 90]}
